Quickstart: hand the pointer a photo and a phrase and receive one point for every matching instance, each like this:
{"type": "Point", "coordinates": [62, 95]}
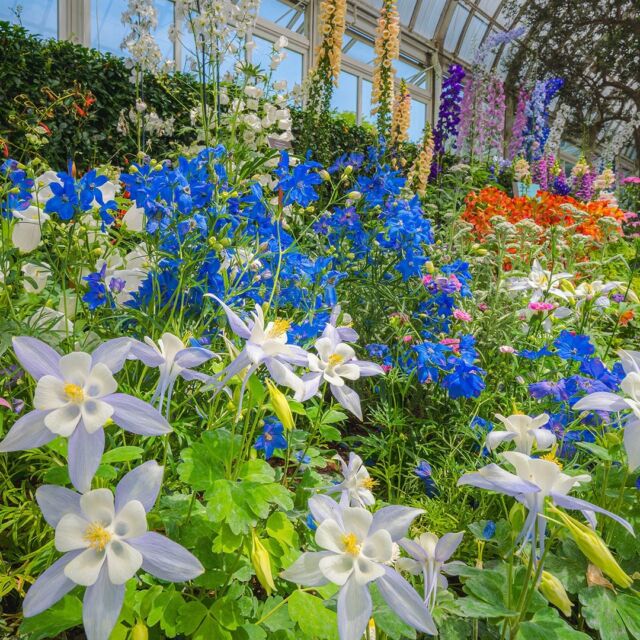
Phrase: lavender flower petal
{"type": "Point", "coordinates": [85, 453]}
{"type": "Point", "coordinates": [354, 610]}
{"type": "Point", "coordinates": [142, 483]}
{"type": "Point", "coordinates": [166, 559]}
{"type": "Point", "coordinates": [136, 416]}
{"type": "Point", "coordinates": [36, 357]}
{"type": "Point", "coordinates": [49, 587]}
{"type": "Point", "coordinates": [112, 353]}
{"type": "Point", "coordinates": [28, 432]}
{"type": "Point", "coordinates": [101, 606]}
{"type": "Point", "coordinates": [55, 502]}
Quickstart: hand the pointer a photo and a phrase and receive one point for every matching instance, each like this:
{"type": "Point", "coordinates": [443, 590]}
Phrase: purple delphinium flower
{"type": "Point", "coordinates": [446, 130]}
{"type": "Point", "coordinates": [75, 397]}
{"type": "Point", "coordinates": [519, 125]}
{"type": "Point", "coordinates": [272, 437]}
{"type": "Point", "coordinates": [105, 542]}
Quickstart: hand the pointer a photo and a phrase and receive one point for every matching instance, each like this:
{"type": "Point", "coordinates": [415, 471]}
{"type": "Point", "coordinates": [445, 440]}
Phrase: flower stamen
{"type": "Point", "coordinates": [97, 536]}
{"type": "Point", "coordinates": [74, 393]}
{"type": "Point", "coordinates": [350, 542]}
{"type": "Point", "coordinates": [335, 359]}
{"type": "Point", "coordinates": [280, 327]}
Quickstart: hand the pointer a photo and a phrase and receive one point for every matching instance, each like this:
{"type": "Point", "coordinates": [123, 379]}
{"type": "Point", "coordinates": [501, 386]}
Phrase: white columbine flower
{"type": "Point", "coordinates": [540, 282]}
{"type": "Point", "coordinates": [428, 556]}
{"type": "Point", "coordinates": [335, 363]}
{"type": "Point", "coordinates": [523, 431]}
{"type": "Point", "coordinates": [38, 273]}
{"type": "Point", "coordinates": [355, 488]}
{"type": "Point", "coordinates": [356, 550]}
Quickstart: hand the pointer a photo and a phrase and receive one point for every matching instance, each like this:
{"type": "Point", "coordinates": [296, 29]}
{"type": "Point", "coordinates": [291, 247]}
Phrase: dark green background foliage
{"type": "Point", "coordinates": [33, 71]}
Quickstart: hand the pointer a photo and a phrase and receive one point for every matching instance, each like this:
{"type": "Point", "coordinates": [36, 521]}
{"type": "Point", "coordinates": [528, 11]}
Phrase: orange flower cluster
{"type": "Point", "coordinates": [545, 210]}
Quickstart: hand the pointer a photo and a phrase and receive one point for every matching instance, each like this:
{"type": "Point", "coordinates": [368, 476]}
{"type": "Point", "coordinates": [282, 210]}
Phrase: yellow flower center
{"type": "Point", "coordinates": [551, 457]}
{"type": "Point", "coordinates": [350, 542]}
{"type": "Point", "coordinates": [280, 327]}
{"type": "Point", "coordinates": [368, 483]}
{"type": "Point", "coordinates": [335, 359]}
{"type": "Point", "coordinates": [74, 393]}
{"type": "Point", "coordinates": [97, 536]}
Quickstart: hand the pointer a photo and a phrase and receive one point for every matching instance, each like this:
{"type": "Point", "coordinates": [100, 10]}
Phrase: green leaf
{"type": "Point", "coordinates": [472, 608]}
{"type": "Point", "coordinates": [547, 624]}
{"type": "Point", "coordinates": [280, 527]}
{"type": "Point", "coordinates": [596, 449]}
{"type": "Point", "coordinates": [600, 612]}
{"type": "Point", "coordinates": [50, 623]}
{"type": "Point", "coordinates": [122, 454]}
{"type": "Point", "coordinates": [629, 610]}
{"type": "Point", "coordinates": [329, 433]}
{"type": "Point", "coordinates": [386, 620]}
{"type": "Point", "coordinates": [190, 616]}
{"type": "Point", "coordinates": [313, 618]}
{"type": "Point", "coordinates": [332, 416]}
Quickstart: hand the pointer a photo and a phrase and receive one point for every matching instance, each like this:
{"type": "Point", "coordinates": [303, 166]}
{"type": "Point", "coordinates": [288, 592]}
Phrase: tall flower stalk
{"type": "Point", "coordinates": [519, 125]}
{"type": "Point", "coordinates": [418, 176]}
{"type": "Point", "coordinates": [401, 116]}
{"type": "Point", "coordinates": [387, 48]}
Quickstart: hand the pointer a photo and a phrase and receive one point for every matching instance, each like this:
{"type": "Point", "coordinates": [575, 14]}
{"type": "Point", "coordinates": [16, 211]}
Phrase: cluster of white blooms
{"type": "Point", "coordinates": [149, 120]}
{"type": "Point", "coordinates": [142, 18]}
{"type": "Point", "coordinates": [216, 24]}
{"type": "Point", "coordinates": [619, 139]}
{"type": "Point", "coordinates": [557, 129]}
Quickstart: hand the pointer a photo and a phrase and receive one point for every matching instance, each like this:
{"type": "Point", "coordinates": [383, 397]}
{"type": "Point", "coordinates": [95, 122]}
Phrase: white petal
{"type": "Point", "coordinates": [357, 520]}
{"type": "Point", "coordinates": [95, 413]}
{"type": "Point", "coordinates": [97, 506]}
{"type": "Point", "coordinates": [329, 536]}
{"type": "Point", "coordinates": [100, 382]}
{"type": "Point", "coordinates": [84, 569]}
{"type": "Point", "coordinates": [75, 367]}
{"type": "Point", "coordinates": [545, 439]}
{"type": "Point", "coordinates": [348, 371]}
{"type": "Point", "coordinates": [324, 347]}
{"type": "Point", "coordinates": [134, 218]}
{"type": "Point", "coordinates": [632, 443]}
{"type": "Point", "coordinates": [26, 236]}
{"type": "Point", "coordinates": [365, 571]}
{"type": "Point", "coordinates": [495, 438]}
{"type": "Point", "coordinates": [337, 567]}
{"type": "Point", "coordinates": [50, 394]}
{"type": "Point", "coordinates": [70, 533]}
{"type": "Point", "coordinates": [130, 521]}
{"type": "Point", "coordinates": [122, 561]}
{"type": "Point", "coordinates": [63, 421]}
{"type": "Point", "coordinates": [378, 547]}
{"type": "Point", "coordinates": [306, 569]}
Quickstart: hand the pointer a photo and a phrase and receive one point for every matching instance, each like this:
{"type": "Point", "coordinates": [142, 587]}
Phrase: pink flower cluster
{"type": "Point", "coordinates": [541, 306]}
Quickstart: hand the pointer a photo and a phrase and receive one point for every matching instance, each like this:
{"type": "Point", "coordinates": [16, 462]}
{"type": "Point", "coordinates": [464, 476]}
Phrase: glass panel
{"type": "Point", "coordinates": [411, 73]}
{"type": "Point", "coordinates": [108, 32]}
{"type": "Point", "coordinates": [405, 10]}
{"type": "Point", "coordinates": [375, 3]}
{"type": "Point", "coordinates": [358, 49]}
{"type": "Point", "coordinates": [428, 17]}
{"type": "Point", "coordinates": [418, 120]}
{"type": "Point", "coordinates": [367, 88]}
{"type": "Point", "coordinates": [489, 6]}
{"type": "Point", "coordinates": [38, 16]}
{"type": "Point", "coordinates": [290, 69]}
{"type": "Point", "coordinates": [345, 95]}
{"type": "Point", "coordinates": [472, 38]}
{"type": "Point", "coordinates": [455, 28]}
{"type": "Point", "coordinates": [283, 14]}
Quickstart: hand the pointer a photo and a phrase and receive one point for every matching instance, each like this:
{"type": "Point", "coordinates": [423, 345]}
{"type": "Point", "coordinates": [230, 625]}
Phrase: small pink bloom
{"type": "Point", "coordinates": [483, 306]}
{"type": "Point", "coordinates": [386, 368]}
{"type": "Point", "coordinates": [406, 339]}
{"type": "Point", "coordinates": [459, 314]}
{"type": "Point", "coordinates": [505, 348]}
{"type": "Point", "coordinates": [541, 306]}
{"type": "Point", "coordinates": [454, 343]}
{"type": "Point", "coordinates": [427, 279]}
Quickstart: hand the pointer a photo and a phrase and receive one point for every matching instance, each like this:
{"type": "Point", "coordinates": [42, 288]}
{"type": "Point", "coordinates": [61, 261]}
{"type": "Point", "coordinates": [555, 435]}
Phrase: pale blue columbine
{"type": "Point", "coordinates": [75, 397]}
{"type": "Point", "coordinates": [536, 480]}
{"type": "Point", "coordinates": [356, 485]}
{"type": "Point", "coordinates": [264, 345]}
{"type": "Point", "coordinates": [173, 358]}
{"type": "Point", "coordinates": [429, 555]}
{"type": "Point", "coordinates": [357, 550]}
{"type": "Point", "coordinates": [105, 541]}
{"type": "Point", "coordinates": [606, 401]}
{"type": "Point", "coordinates": [336, 362]}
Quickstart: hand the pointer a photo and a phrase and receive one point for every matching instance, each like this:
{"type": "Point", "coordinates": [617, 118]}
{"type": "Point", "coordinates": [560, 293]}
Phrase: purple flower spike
{"type": "Point", "coordinates": [105, 541]}
{"type": "Point", "coordinates": [75, 397]}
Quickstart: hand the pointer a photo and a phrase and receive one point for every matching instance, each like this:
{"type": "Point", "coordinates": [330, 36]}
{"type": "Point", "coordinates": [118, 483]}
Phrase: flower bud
{"type": "Point", "coordinates": [140, 632]}
{"type": "Point", "coordinates": [594, 548]}
{"type": "Point", "coordinates": [348, 170]}
{"type": "Point", "coordinates": [567, 286]}
{"type": "Point", "coordinates": [261, 564]}
{"type": "Point", "coordinates": [429, 267]}
{"type": "Point", "coordinates": [280, 405]}
{"type": "Point", "coordinates": [354, 195]}
{"type": "Point", "coordinates": [324, 174]}
{"type": "Point", "coordinates": [553, 590]}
